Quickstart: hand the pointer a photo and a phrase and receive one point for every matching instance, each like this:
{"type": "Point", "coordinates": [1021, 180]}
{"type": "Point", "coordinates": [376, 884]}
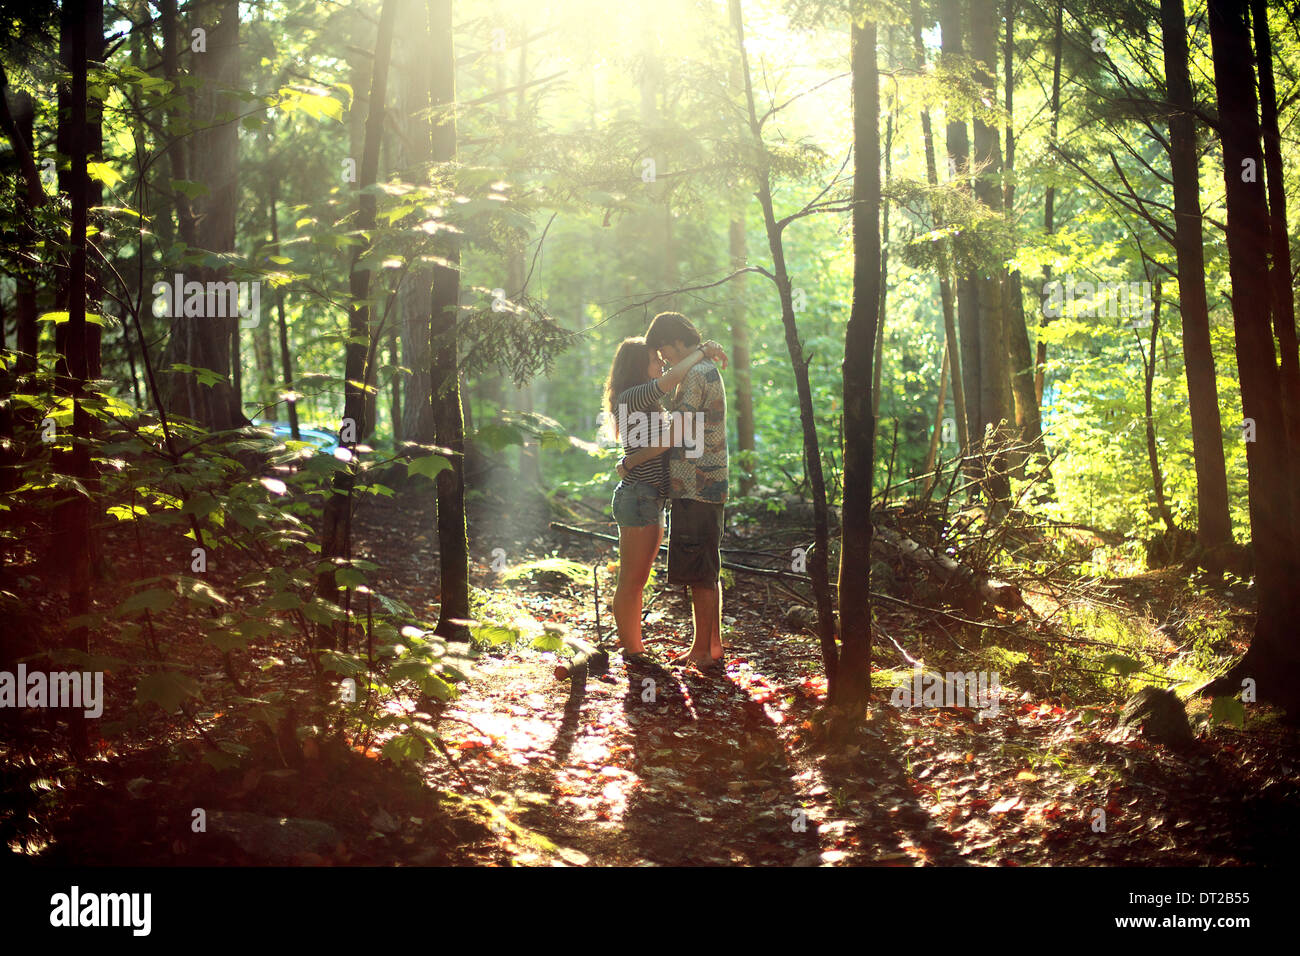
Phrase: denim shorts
{"type": "Point", "coordinates": [638, 504]}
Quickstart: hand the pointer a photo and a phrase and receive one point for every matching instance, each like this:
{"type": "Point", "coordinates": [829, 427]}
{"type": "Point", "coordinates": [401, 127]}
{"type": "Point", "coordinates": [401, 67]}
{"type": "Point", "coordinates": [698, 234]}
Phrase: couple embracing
{"type": "Point", "coordinates": [667, 405]}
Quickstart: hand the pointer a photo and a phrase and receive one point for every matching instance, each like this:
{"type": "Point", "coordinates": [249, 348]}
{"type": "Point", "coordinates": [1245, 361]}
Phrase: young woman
{"type": "Point", "coordinates": [637, 382]}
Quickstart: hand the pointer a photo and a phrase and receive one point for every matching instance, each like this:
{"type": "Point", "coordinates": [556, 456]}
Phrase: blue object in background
{"type": "Point", "coordinates": [323, 440]}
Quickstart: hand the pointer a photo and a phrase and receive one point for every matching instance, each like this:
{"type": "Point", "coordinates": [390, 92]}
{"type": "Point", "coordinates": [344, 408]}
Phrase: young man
{"type": "Point", "coordinates": [697, 472]}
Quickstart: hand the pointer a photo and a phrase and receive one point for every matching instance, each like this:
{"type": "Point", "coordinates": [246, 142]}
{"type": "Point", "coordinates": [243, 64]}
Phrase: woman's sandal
{"type": "Point", "coordinates": [639, 657]}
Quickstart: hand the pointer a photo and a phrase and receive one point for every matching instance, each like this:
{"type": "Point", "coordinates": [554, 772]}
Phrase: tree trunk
{"type": "Point", "coordinates": [27, 328]}
{"type": "Point", "coordinates": [205, 341]}
{"type": "Point", "coordinates": [994, 380]}
{"type": "Point", "coordinates": [958, 144]}
{"type": "Point", "coordinates": [282, 327]}
{"type": "Point", "coordinates": [1029, 423]}
{"type": "Point", "coordinates": [1153, 454]}
{"type": "Point", "coordinates": [1214, 526]}
{"type": "Point", "coordinates": [819, 558]}
{"type": "Point", "coordinates": [417, 348]}
{"type": "Point", "coordinates": [1273, 658]}
{"type": "Point", "coordinates": [1049, 200]}
{"type": "Point", "coordinates": [336, 522]}
{"type": "Point", "coordinates": [853, 687]}
{"type": "Point", "coordinates": [449, 423]}
{"type": "Point", "coordinates": [952, 348]}
{"type": "Point", "coordinates": [741, 362]}
{"type": "Point", "coordinates": [1280, 266]}
{"type": "Point", "coordinates": [932, 453]}
{"type": "Point", "coordinates": [81, 35]}
{"type": "Point", "coordinates": [877, 373]}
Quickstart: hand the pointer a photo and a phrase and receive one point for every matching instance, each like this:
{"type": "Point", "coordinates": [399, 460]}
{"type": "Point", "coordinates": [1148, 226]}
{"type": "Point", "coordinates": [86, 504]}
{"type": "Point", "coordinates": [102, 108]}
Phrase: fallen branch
{"type": "Point", "coordinates": [998, 593]}
{"type": "Point", "coordinates": [790, 575]}
{"type": "Point", "coordinates": [663, 549]}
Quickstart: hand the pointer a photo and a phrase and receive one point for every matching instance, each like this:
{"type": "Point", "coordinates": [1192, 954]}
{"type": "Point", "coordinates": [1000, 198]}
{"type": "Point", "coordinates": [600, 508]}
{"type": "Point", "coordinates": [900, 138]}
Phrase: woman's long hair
{"type": "Point", "coordinates": [627, 371]}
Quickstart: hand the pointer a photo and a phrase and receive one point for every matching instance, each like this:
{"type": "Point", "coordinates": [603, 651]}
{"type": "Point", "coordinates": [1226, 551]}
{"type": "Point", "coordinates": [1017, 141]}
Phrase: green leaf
{"type": "Point", "coordinates": [1121, 665]}
{"type": "Point", "coordinates": [494, 634]}
{"type": "Point", "coordinates": [127, 512]}
{"type": "Point", "coordinates": [205, 376]}
{"type": "Point", "coordinates": [548, 642]}
{"type": "Point", "coordinates": [104, 173]}
{"type": "Point", "coordinates": [410, 668]}
{"type": "Point", "coordinates": [570, 569]}
{"type": "Point", "coordinates": [1228, 710]}
{"type": "Point", "coordinates": [435, 686]}
{"type": "Point", "coordinates": [404, 747]}
{"type": "Point", "coordinates": [200, 593]}
{"type": "Point", "coordinates": [429, 466]}
{"type": "Point", "coordinates": [349, 665]}
{"type": "Point", "coordinates": [283, 601]}
{"type": "Point", "coordinates": [154, 599]}
{"type": "Point", "coordinates": [166, 689]}
{"type": "Point", "coordinates": [349, 578]}
{"type": "Point", "coordinates": [58, 318]}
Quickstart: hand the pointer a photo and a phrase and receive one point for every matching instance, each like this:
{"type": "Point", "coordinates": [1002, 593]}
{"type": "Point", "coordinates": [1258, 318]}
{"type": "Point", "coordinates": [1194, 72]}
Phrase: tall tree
{"type": "Point", "coordinates": [1280, 262]}
{"type": "Point", "coordinates": [448, 417]}
{"type": "Point", "coordinates": [336, 521]}
{"type": "Point", "coordinates": [416, 148]}
{"type": "Point", "coordinates": [741, 361]}
{"type": "Point", "coordinates": [994, 392]}
{"type": "Point", "coordinates": [819, 557]}
{"type": "Point", "coordinates": [209, 220]}
{"type": "Point", "coordinates": [952, 349]}
{"type": "Point", "coordinates": [1049, 195]}
{"type": "Point", "coordinates": [850, 692]}
{"type": "Point", "coordinates": [951, 24]}
{"type": "Point", "coordinates": [81, 34]}
{"type": "Point", "coordinates": [1214, 526]}
{"type": "Point", "coordinates": [1029, 424]}
{"type": "Point", "coordinates": [1273, 658]}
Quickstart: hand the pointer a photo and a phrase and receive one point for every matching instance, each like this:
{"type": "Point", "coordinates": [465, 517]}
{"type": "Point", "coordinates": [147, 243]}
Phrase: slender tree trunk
{"type": "Point", "coordinates": [1280, 265]}
{"type": "Point", "coordinates": [1049, 200]}
{"type": "Point", "coordinates": [1153, 454]}
{"type": "Point", "coordinates": [819, 558]}
{"type": "Point", "coordinates": [741, 362]}
{"type": "Point", "coordinates": [27, 339]}
{"type": "Point", "coordinates": [932, 453]}
{"type": "Point", "coordinates": [337, 518]}
{"type": "Point", "coordinates": [417, 347]}
{"type": "Point", "coordinates": [1273, 658]}
{"type": "Point", "coordinates": [952, 348]}
{"type": "Point", "coordinates": [995, 380]}
{"type": "Point", "coordinates": [395, 387]}
{"type": "Point", "coordinates": [282, 326]}
{"type": "Point", "coordinates": [205, 341]}
{"type": "Point", "coordinates": [853, 688]}
{"type": "Point", "coordinates": [449, 423]}
{"type": "Point", "coordinates": [958, 144]}
{"type": "Point", "coordinates": [81, 32]}
{"type": "Point", "coordinates": [1214, 526]}
{"type": "Point", "coordinates": [1029, 423]}
{"type": "Point", "coordinates": [877, 373]}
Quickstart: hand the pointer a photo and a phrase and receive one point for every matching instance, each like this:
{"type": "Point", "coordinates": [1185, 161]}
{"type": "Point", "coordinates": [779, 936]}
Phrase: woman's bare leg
{"type": "Point", "coordinates": [637, 547]}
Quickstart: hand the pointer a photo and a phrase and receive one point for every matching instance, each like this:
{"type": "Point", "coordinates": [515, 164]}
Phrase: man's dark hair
{"type": "Point", "coordinates": [669, 327]}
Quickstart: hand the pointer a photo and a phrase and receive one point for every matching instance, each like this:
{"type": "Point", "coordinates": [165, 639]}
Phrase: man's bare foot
{"type": "Point", "coordinates": [700, 661]}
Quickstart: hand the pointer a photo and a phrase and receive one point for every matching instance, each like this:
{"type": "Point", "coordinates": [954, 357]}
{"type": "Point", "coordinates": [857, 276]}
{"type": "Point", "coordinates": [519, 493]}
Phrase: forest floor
{"type": "Point", "coordinates": [650, 765]}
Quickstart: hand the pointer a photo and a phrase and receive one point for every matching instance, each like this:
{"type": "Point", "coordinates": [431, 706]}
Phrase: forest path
{"type": "Point", "coordinates": [656, 766]}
